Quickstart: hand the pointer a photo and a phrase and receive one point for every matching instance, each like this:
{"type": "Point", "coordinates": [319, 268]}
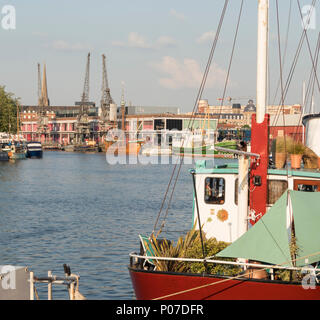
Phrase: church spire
{"type": "Point", "coordinates": [44, 90]}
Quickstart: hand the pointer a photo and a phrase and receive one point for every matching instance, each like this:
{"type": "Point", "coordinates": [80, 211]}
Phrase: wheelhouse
{"type": "Point", "coordinates": [217, 194]}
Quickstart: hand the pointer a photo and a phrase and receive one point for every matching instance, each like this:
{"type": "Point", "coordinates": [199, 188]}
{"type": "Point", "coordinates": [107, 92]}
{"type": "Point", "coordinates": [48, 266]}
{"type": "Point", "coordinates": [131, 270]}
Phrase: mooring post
{"type": "Point", "coordinates": [49, 285]}
{"type": "Point", "coordinates": [31, 286]}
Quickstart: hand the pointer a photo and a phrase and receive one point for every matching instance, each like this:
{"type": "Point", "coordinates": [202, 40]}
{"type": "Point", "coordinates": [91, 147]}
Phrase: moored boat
{"type": "Point", "coordinates": [34, 149]}
{"type": "Point", "coordinates": [263, 222]}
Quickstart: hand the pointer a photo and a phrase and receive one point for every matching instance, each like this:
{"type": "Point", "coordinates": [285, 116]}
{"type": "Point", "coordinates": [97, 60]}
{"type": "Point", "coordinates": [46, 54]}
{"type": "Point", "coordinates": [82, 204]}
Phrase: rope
{"type": "Point", "coordinates": [294, 63]}
{"type": "Point", "coordinates": [230, 62]}
{"type": "Point", "coordinates": [190, 125]}
{"type": "Point", "coordinates": [36, 292]}
{"type": "Point", "coordinates": [285, 50]}
{"type": "Point", "coordinates": [229, 279]}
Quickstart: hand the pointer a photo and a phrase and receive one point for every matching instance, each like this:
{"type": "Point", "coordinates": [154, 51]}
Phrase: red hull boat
{"type": "Point", "coordinates": [153, 285]}
{"type": "Point", "coordinates": [284, 223]}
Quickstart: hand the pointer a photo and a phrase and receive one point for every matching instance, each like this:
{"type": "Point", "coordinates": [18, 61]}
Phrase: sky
{"type": "Point", "coordinates": [156, 50]}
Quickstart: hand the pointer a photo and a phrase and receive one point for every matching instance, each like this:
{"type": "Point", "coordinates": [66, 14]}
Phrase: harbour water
{"type": "Point", "coordinates": [80, 210]}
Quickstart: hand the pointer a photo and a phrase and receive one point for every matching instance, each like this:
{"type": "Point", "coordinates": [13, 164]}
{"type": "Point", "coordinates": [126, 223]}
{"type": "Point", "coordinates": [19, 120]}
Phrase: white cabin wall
{"type": "Point", "coordinates": [213, 225]}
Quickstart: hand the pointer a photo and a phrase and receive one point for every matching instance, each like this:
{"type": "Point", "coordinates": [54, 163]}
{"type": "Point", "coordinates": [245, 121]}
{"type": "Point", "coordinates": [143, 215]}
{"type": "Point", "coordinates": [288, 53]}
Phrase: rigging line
{"type": "Point", "coordinates": [281, 83]}
{"type": "Point", "coordinates": [163, 201]}
{"type": "Point", "coordinates": [170, 199]}
{"type": "Point", "coordinates": [289, 78]}
{"type": "Point", "coordinates": [207, 69]}
{"type": "Point", "coordinates": [317, 59]}
{"type": "Point", "coordinates": [230, 62]}
{"type": "Point", "coordinates": [311, 78]}
{"type": "Point", "coordinates": [285, 50]}
{"type": "Point", "coordinates": [205, 75]}
{"type": "Point", "coordinates": [311, 83]}
{"type": "Point", "coordinates": [295, 60]}
{"type": "Point", "coordinates": [309, 49]}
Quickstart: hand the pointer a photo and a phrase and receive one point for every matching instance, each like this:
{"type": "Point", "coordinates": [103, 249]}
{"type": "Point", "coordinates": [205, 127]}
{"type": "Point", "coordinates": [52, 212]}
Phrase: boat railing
{"type": "Point", "coordinates": [271, 267]}
{"type": "Point", "coordinates": [70, 281]}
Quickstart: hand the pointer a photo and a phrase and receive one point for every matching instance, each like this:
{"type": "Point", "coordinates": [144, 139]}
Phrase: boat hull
{"type": "Point", "coordinates": [149, 285]}
{"type": "Point", "coordinates": [4, 156]}
{"type": "Point", "coordinates": [18, 156]}
{"type": "Point", "coordinates": [203, 150]}
{"type": "Point", "coordinates": [34, 154]}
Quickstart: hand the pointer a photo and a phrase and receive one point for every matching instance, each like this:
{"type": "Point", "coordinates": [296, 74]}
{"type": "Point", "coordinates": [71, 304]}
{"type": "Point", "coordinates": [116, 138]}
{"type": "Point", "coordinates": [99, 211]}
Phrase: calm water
{"type": "Point", "coordinates": [78, 209]}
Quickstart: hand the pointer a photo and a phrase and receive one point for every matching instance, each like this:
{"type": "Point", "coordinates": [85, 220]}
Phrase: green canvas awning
{"type": "Point", "coordinates": [268, 240]}
{"type": "Point", "coordinates": [306, 215]}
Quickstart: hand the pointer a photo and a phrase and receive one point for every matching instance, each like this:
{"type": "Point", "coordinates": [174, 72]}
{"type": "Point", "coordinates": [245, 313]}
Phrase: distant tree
{"type": "Point", "coordinates": [8, 111]}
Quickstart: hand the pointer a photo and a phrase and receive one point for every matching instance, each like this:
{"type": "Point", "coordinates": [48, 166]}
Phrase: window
{"type": "Point", "coordinates": [306, 185]}
{"type": "Point", "coordinates": [214, 190]}
{"type": "Point", "coordinates": [275, 190]}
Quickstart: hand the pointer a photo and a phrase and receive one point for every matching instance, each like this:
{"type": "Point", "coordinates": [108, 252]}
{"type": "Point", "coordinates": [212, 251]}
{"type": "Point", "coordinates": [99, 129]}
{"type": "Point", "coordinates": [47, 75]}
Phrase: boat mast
{"type": "Point", "coordinates": [262, 59]}
{"type": "Point", "coordinates": [260, 122]}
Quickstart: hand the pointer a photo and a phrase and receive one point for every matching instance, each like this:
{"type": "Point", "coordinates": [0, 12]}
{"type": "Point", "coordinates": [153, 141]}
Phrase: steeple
{"type": "Point", "coordinates": [44, 90]}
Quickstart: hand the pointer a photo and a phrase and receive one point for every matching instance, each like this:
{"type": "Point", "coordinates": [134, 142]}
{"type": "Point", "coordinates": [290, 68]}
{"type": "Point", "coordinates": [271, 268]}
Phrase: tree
{"type": "Point", "coordinates": [8, 111]}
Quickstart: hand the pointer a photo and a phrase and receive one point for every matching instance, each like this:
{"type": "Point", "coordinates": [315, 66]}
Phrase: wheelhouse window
{"type": "Point", "coordinates": [306, 185]}
{"type": "Point", "coordinates": [214, 190]}
{"type": "Point", "coordinates": [276, 188]}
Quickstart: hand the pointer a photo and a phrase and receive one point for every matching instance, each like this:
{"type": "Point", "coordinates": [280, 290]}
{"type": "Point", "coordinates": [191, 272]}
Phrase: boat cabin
{"type": "Point", "coordinates": [217, 194]}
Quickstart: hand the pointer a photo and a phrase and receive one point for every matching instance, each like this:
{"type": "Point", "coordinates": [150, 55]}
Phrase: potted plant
{"type": "Point", "coordinates": [296, 151]}
{"type": "Point", "coordinates": [281, 149]}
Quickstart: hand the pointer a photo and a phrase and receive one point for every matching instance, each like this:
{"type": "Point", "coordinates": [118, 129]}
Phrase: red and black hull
{"type": "Point", "coordinates": [149, 285]}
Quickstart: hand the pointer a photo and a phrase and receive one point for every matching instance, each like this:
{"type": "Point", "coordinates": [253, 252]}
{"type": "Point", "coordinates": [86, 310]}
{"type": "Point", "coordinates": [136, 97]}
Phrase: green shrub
{"type": "Point", "coordinates": [190, 247]}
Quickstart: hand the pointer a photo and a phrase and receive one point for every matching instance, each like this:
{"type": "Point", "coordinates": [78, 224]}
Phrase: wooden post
{"type": "Point", "coordinates": [49, 286]}
{"type": "Point", "coordinates": [71, 291]}
{"type": "Point", "coordinates": [31, 286]}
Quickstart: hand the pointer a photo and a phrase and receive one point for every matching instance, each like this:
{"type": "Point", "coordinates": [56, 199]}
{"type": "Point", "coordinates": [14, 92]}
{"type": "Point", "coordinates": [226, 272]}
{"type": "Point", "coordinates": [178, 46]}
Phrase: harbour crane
{"type": "Point", "coordinates": [106, 100]}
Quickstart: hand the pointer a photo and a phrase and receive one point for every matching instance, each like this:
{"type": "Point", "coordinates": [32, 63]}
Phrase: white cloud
{"type": "Point", "coordinates": [206, 37]}
{"type": "Point", "coordinates": [177, 15]}
{"type": "Point", "coordinates": [62, 45]}
{"type": "Point", "coordinates": [135, 40]}
{"type": "Point", "coordinates": [186, 74]}
{"type": "Point", "coordinates": [165, 41]}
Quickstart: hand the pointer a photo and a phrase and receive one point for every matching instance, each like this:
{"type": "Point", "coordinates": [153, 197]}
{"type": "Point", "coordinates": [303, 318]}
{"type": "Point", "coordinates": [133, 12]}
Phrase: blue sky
{"type": "Point", "coordinates": [157, 48]}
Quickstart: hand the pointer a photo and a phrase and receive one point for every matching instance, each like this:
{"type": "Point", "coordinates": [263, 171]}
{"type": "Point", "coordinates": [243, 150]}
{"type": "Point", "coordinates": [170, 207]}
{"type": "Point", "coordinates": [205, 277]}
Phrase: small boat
{"type": "Point", "coordinates": [193, 143]}
{"type": "Point", "coordinates": [17, 151]}
{"type": "Point", "coordinates": [4, 156]}
{"type": "Point", "coordinates": [34, 149]}
{"type": "Point", "coordinates": [123, 146]}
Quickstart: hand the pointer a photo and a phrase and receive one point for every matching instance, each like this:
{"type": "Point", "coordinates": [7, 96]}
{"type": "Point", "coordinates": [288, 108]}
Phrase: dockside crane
{"type": "Point", "coordinates": [82, 125]}
{"type": "Point", "coordinates": [107, 105]}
